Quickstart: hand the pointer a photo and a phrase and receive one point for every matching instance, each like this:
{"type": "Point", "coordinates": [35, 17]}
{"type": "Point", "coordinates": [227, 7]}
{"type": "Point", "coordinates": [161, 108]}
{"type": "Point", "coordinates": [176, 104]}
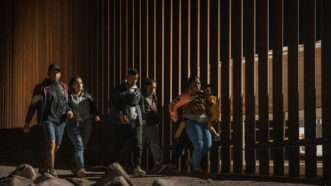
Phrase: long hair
{"type": "Point", "coordinates": [147, 83]}
{"type": "Point", "coordinates": [190, 81]}
{"type": "Point", "coordinates": [72, 81]}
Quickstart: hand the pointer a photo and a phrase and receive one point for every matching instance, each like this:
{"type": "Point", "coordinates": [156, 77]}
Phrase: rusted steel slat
{"type": "Point", "coordinates": [144, 39]}
{"type": "Point", "coordinates": [168, 62]}
{"type": "Point", "coordinates": [225, 78]}
{"type": "Point", "coordinates": [326, 88]}
{"type": "Point", "coordinates": [136, 33]}
{"type": "Point", "coordinates": [151, 39]}
{"type": "Point", "coordinates": [123, 38]}
{"type": "Point", "coordinates": [160, 59]}
{"type": "Point", "coordinates": [277, 82]}
{"type": "Point", "coordinates": [214, 39]}
{"type": "Point", "coordinates": [176, 73]}
{"type": "Point", "coordinates": [213, 11]}
{"type": "Point", "coordinates": [236, 51]}
{"type": "Point", "coordinates": [293, 90]}
{"type": "Point", "coordinates": [184, 42]}
{"type": "Point", "coordinates": [130, 33]}
{"type": "Point", "coordinates": [262, 46]}
{"type": "Point", "coordinates": [249, 53]}
{"type": "Point", "coordinates": [309, 31]}
{"type": "Point", "coordinates": [194, 37]}
{"type": "Point", "coordinates": [204, 48]}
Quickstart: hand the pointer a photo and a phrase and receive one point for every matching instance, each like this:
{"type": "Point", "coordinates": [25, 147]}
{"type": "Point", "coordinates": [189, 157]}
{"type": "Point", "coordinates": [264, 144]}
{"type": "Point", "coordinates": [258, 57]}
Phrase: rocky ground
{"type": "Point", "coordinates": [151, 180]}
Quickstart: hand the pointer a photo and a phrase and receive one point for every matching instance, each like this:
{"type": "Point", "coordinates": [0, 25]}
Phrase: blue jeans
{"type": "Point", "coordinates": [79, 133]}
{"type": "Point", "coordinates": [54, 131]}
{"type": "Point", "coordinates": [201, 140]}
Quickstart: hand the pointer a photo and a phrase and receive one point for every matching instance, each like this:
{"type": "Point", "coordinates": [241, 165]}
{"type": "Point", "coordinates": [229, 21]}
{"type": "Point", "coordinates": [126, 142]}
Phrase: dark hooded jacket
{"type": "Point", "coordinates": [152, 110]}
{"type": "Point", "coordinates": [83, 107]}
{"type": "Point", "coordinates": [50, 101]}
{"type": "Point", "coordinates": [123, 100]}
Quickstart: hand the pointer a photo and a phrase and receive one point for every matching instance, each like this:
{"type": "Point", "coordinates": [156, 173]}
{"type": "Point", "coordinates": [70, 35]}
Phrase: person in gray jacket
{"type": "Point", "coordinates": [79, 128]}
{"type": "Point", "coordinates": [152, 118]}
{"type": "Point", "coordinates": [127, 104]}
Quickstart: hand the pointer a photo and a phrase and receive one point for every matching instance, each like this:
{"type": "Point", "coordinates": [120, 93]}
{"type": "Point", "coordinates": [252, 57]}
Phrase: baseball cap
{"type": "Point", "coordinates": [54, 67]}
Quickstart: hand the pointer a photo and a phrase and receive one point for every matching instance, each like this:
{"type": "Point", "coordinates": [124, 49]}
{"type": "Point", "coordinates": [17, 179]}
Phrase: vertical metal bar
{"type": "Point", "coordinates": [293, 90]}
{"type": "Point", "coordinates": [309, 31]}
{"type": "Point", "coordinates": [214, 70]}
{"type": "Point", "coordinates": [140, 50]}
{"type": "Point", "coordinates": [160, 60]}
{"type": "Point", "coordinates": [277, 82]}
{"type": "Point", "coordinates": [123, 38]}
{"type": "Point", "coordinates": [144, 39]}
{"type": "Point", "coordinates": [184, 42]}
{"type": "Point", "coordinates": [175, 49]}
{"type": "Point", "coordinates": [151, 33]}
{"type": "Point", "coordinates": [249, 53]}
{"type": "Point", "coordinates": [136, 33]}
{"type": "Point", "coordinates": [213, 45]}
{"type": "Point", "coordinates": [204, 28]}
{"type": "Point", "coordinates": [193, 37]}
{"type": "Point", "coordinates": [236, 51]}
{"type": "Point", "coordinates": [130, 32]}
{"type": "Point", "coordinates": [111, 42]}
{"type": "Point", "coordinates": [176, 56]}
{"type": "Point", "coordinates": [168, 62]}
{"type": "Point", "coordinates": [128, 35]}
{"type": "Point", "coordinates": [225, 78]}
{"type": "Point", "coordinates": [104, 62]}
{"type": "Point", "coordinates": [117, 38]}
{"type": "Point", "coordinates": [326, 88]}
{"type": "Point", "coordinates": [262, 47]}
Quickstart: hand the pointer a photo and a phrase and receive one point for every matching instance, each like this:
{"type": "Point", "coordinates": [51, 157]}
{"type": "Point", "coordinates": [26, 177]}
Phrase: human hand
{"type": "Point", "coordinates": [70, 115]}
{"type": "Point", "coordinates": [26, 128]}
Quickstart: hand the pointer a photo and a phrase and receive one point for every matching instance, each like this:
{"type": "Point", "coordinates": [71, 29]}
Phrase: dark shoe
{"type": "Point", "coordinates": [138, 172]}
{"type": "Point", "coordinates": [159, 168]}
{"type": "Point", "coordinates": [42, 171]}
{"type": "Point", "coordinates": [53, 172]}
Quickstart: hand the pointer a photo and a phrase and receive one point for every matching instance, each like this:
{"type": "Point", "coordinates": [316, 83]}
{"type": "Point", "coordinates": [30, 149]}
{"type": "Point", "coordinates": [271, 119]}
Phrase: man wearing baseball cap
{"type": "Point", "coordinates": [50, 101]}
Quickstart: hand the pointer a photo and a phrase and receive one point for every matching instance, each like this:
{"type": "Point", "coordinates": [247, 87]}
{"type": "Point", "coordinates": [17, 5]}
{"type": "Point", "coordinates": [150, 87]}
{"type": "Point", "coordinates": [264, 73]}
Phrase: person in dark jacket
{"type": "Point", "coordinates": [127, 108]}
{"type": "Point", "coordinates": [50, 100]}
{"type": "Point", "coordinates": [152, 118]}
{"type": "Point", "coordinates": [79, 128]}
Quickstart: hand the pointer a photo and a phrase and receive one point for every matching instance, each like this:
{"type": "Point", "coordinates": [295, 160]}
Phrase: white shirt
{"type": "Point", "coordinates": [133, 110]}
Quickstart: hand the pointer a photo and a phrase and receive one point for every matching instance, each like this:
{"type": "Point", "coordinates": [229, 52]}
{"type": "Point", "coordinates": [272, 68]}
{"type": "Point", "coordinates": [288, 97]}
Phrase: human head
{"type": "Point", "coordinates": [54, 72]}
{"type": "Point", "coordinates": [208, 89]}
{"type": "Point", "coordinates": [76, 84]}
{"type": "Point", "coordinates": [150, 87]}
{"type": "Point", "coordinates": [133, 77]}
{"type": "Point", "coordinates": [194, 84]}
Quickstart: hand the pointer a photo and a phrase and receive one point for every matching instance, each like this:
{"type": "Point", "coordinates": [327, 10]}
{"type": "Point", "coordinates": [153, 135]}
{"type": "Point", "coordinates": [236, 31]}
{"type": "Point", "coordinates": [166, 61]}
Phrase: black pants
{"type": "Point", "coordinates": [130, 141]}
{"type": "Point", "coordinates": [151, 139]}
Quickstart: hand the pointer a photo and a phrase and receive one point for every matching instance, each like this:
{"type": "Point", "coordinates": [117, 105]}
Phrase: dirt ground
{"type": "Point", "coordinates": [172, 180]}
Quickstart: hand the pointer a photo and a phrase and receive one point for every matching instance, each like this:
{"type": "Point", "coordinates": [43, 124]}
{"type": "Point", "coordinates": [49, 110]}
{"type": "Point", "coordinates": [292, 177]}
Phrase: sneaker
{"type": "Point", "coordinates": [53, 172]}
{"type": "Point", "coordinates": [138, 172]}
{"type": "Point", "coordinates": [81, 173]}
{"type": "Point", "coordinates": [42, 171]}
{"type": "Point", "coordinates": [159, 168]}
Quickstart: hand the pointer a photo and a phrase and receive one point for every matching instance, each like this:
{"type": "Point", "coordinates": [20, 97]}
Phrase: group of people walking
{"type": "Point", "coordinates": [135, 115]}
